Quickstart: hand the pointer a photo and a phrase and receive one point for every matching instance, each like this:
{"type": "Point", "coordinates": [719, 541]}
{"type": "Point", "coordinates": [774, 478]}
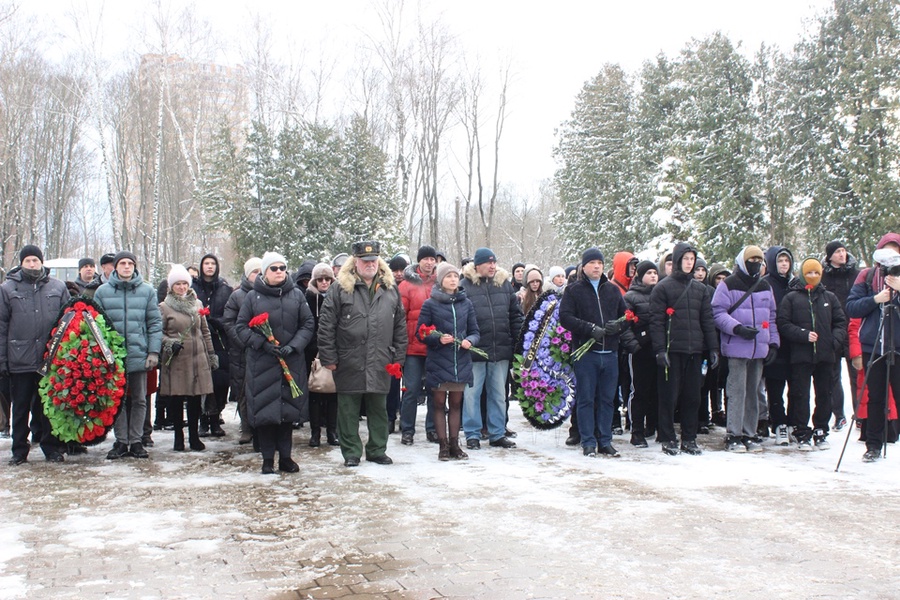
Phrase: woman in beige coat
{"type": "Point", "coordinates": [188, 358]}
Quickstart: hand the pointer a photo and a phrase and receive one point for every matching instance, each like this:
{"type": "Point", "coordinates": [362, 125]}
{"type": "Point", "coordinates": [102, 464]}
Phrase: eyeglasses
{"type": "Point", "coordinates": [276, 268]}
{"type": "Point", "coordinates": [321, 279]}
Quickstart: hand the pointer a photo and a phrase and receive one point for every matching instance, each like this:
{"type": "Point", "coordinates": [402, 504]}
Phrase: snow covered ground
{"type": "Point", "coordinates": [538, 521]}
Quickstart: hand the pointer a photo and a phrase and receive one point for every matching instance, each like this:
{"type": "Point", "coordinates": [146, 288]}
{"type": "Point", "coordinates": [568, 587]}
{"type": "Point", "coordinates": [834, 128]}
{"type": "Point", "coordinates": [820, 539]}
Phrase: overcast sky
{"type": "Point", "coordinates": [554, 46]}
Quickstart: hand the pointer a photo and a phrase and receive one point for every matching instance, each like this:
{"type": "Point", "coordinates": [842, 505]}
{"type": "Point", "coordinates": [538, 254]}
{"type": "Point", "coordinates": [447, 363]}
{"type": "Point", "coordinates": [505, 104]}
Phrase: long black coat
{"type": "Point", "coordinates": [692, 329]}
{"type": "Point", "coordinates": [214, 295]}
{"type": "Point", "coordinates": [236, 362]}
{"type": "Point", "coordinates": [269, 400]}
{"type": "Point", "coordinates": [453, 314]}
{"type": "Point", "coordinates": [795, 321]}
{"type": "Point", "coordinates": [637, 299]}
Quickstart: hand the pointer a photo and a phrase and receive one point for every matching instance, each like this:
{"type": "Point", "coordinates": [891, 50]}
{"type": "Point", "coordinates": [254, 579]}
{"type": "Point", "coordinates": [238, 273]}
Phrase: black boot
{"type": "Point", "coordinates": [331, 434]}
{"type": "Point", "coordinates": [315, 437]}
{"type": "Point", "coordinates": [444, 450]}
{"type": "Point", "coordinates": [179, 439]}
{"type": "Point", "coordinates": [215, 428]}
{"type": "Point", "coordinates": [194, 421]}
{"type": "Point", "coordinates": [268, 467]}
{"type": "Point", "coordinates": [204, 426]}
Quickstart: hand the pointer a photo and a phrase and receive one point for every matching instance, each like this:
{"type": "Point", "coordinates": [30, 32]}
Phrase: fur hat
{"type": "Point", "coordinates": [254, 263]}
{"type": "Point", "coordinates": [107, 258]}
{"type": "Point", "coordinates": [178, 273]}
{"type": "Point", "coordinates": [269, 259]}
{"type": "Point", "coordinates": [340, 259]}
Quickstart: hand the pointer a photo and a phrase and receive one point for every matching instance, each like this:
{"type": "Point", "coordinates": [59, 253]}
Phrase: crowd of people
{"type": "Point", "coordinates": [671, 349]}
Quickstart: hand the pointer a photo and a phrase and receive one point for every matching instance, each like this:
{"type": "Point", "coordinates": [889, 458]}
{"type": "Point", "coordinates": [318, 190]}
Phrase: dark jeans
{"type": "Point", "coordinates": [23, 393]}
{"type": "Point", "coordinates": [683, 380]}
{"type": "Point", "coordinates": [597, 376]}
{"type": "Point", "coordinates": [798, 397]}
{"type": "Point", "coordinates": [414, 379]}
{"type": "Point", "coordinates": [393, 399]}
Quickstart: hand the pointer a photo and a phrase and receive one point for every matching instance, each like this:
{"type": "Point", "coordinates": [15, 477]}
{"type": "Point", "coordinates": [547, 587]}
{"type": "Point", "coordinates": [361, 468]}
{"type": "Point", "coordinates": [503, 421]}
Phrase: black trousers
{"type": "Point", "coordinates": [644, 405]}
{"type": "Point", "coordinates": [683, 380]}
{"type": "Point", "coordinates": [798, 397]}
{"type": "Point", "coordinates": [879, 377]}
{"type": "Point", "coordinates": [24, 396]}
{"type": "Point", "coordinates": [275, 437]}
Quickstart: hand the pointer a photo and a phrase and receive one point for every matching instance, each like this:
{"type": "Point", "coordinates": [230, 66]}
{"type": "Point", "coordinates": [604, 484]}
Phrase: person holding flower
{"type": "Point", "coordinates": [811, 320]}
{"type": "Point", "coordinates": [188, 357]}
{"type": "Point", "coordinates": [448, 365]}
{"type": "Point", "coordinates": [593, 310]}
{"type": "Point", "coordinates": [681, 329]}
{"type": "Point", "coordinates": [745, 311]}
{"type": "Point", "coordinates": [275, 364]}
{"type": "Point", "coordinates": [362, 330]}
{"type": "Point", "coordinates": [636, 341]}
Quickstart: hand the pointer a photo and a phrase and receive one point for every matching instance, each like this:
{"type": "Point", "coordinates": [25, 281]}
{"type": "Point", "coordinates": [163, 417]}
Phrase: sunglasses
{"type": "Point", "coordinates": [276, 268]}
{"type": "Point", "coordinates": [320, 279]}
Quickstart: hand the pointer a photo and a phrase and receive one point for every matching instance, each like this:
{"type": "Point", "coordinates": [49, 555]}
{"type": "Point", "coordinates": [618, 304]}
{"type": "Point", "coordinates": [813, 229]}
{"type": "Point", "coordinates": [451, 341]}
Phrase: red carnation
{"type": "Point", "coordinates": [204, 312]}
{"type": "Point", "coordinates": [810, 287]}
{"type": "Point", "coordinates": [765, 324]}
{"type": "Point", "coordinates": [394, 370]}
{"type": "Point", "coordinates": [670, 311]}
{"type": "Point", "coordinates": [258, 320]}
{"type": "Point", "coordinates": [630, 316]}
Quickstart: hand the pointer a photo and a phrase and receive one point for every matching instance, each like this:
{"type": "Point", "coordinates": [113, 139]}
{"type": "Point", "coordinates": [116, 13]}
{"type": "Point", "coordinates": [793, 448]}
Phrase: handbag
{"type": "Point", "coordinates": [321, 380]}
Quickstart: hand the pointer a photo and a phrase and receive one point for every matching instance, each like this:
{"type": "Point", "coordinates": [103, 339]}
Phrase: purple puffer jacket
{"type": "Point", "coordinates": [756, 310]}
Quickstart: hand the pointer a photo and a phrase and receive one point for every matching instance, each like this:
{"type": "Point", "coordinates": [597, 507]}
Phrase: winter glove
{"type": "Point", "coordinates": [285, 351]}
{"type": "Point", "coordinates": [612, 327]}
{"type": "Point", "coordinates": [662, 359]}
{"type": "Point", "coordinates": [213, 362]}
{"type": "Point", "coordinates": [632, 346]}
{"type": "Point", "coordinates": [176, 348]}
{"type": "Point", "coordinates": [748, 333]}
{"type": "Point", "coordinates": [713, 359]}
{"type": "Point", "coordinates": [597, 333]}
{"type": "Point", "coordinates": [271, 348]}
{"type": "Point", "coordinates": [771, 356]}
{"type": "Point", "coordinates": [152, 361]}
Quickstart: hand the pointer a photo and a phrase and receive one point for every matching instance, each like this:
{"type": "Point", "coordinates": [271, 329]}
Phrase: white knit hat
{"type": "Point", "coordinates": [178, 273]}
{"type": "Point", "coordinates": [269, 259]}
{"type": "Point", "coordinates": [254, 263]}
{"type": "Point", "coordinates": [557, 270]}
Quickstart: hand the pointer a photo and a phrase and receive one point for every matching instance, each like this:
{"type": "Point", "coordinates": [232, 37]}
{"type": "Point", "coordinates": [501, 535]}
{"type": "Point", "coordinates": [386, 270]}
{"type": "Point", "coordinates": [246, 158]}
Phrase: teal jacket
{"type": "Point", "coordinates": [133, 309]}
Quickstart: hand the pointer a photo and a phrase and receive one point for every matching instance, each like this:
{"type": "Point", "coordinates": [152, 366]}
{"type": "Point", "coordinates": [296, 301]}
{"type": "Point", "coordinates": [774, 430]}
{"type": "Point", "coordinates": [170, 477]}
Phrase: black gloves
{"type": "Point", "coordinates": [612, 327]}
{"type": "Point", "coordinates": [662, 359]}
{"type": "Point", "coordinates": [771, 356]}
{"type": "Point", "coordinates": [176, 348]}
{"type": "Point", "coordinates": [285, 351]}
{"type": "Point", "coordinates": [597, 333]}
{"type": "Point", "coordinates": [713, 359]}
{"type": "Point", "coordinates": [271, 348]}
{"type": "Point", "coordinates": [748, 333]}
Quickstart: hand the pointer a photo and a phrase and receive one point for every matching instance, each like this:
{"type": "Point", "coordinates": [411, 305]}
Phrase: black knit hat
{"type": "Point", "coordinates": [124, 254]}
{"type": "Point", "coordinates": [398, 263]}
{"type": "Point", "coordinates": [643, 267]}
{"type": "Point", "coordinates": [107, 259]}
{"type": "Point", "coordinates": [30, 250]}
{"type": "Point", "coordinates": [86, 261]}
{"type": "Point", "coordinates": [426, 251]}
{"type": "Point", "coordinates": [832, 247]}
{"type": "Point", "coordinates": [591, 254]}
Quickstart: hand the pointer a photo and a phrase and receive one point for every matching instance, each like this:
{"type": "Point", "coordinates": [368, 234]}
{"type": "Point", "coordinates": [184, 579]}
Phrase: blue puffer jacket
{"type": "Point", "coordinates": [759, 311]}
{"type": "Point", "coordinates": [133, 310]}
{"type": "Point", "coordinates": [28, 312]}
{"type": "Point", "coordinates": [453, 314]}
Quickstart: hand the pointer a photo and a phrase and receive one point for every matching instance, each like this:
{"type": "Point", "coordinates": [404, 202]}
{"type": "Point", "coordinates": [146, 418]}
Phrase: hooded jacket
{"type": "Point", "coordinates": [840, 280]}
{"type": "Point", "coordinates": [453, 314]}
{"type": "Point", "coordinates": [637, 337]}
{"type": "Point", "coordinates": [28, 313]}
{"type": "Point", "coordinates": [817, 310]}
{"type": "Point", "coordinates": [620, 271]}
{"type": "Point", "coordinates": [714, 270]}
{"type": "Point", "coordinates": [780, 285]}
{"type": "Point", "coordinates": [269, 399]}
{"type": "Point", "coordinates": [236, 361]}
{"type": "Point", "coordinates": [759, 310]}
{"type": "Point", "coordinates": [415, 289]}
{"type": "Point", "coordinates": [497, 310]}
{"type": "Point", "coordinates": [861, 304]}
{"type": "Point", "coordinates": [214, 294]}
{"type": "Point", "coordinates": [133, 310]}
{"type": "Point", "coordinates": [692, 329]}
{"type": "Point", "coordinates": [362, 331]}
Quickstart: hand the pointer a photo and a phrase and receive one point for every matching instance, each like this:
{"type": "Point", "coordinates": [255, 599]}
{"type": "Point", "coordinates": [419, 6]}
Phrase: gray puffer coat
{"type": "Point", "coordinates": [28, 313]}
{"type": "Point", "coordinates": [269, 399]}
{"type": "Point", "coordinates": [361, 332]}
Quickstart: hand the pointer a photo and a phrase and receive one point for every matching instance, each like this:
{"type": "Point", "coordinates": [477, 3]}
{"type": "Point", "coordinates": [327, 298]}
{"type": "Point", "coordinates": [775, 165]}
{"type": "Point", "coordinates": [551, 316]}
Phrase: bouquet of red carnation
{"type": "Point", "coordinates": [83, 375]}
{"type": "Point", "coordinates": [426, 330]}
{"type": "Point", "coordinates": [583, 349]}
{"type": "Point", "coordinates": [394, 370]}
{"type": "Point", "coordinates": [261, 322]}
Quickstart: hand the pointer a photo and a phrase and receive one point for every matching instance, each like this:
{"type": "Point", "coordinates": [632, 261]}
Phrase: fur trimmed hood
{"type": "Point", "coordinates": [347, 276]}
{"type": "Point", "coordinates": [499, 279]}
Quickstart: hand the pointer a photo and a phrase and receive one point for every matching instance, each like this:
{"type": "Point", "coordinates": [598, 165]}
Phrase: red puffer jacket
{"type": "Point", "coordinates": [415, 289]}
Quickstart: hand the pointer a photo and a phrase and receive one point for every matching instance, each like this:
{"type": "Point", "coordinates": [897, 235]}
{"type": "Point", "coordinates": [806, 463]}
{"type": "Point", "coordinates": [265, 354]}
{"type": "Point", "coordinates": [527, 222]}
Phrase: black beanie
{"type": "Point", "coordinates": [107, 259]}
{"type": "Point", "coordinates": [85, 262]}
{"type": "Point", "coordinates": [398, 263]}
{"type": "Point", "coordinates": [125, 254]}
{"type": "Point", "coordinates": [643, 267]}
{"type": "Point", "coordinates": [30, 250]}
{"type": "Point", "coordinates": [591, 254]}
{"type": "Point", "coordinates": [426, 252]}
{"type": "Point", "coordinates": [832, 247]}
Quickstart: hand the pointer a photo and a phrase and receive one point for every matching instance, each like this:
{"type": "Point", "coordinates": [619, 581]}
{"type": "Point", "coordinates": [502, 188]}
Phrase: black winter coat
{"type": "Point", "coordinates": [453, 314]}
{"type": "Point", "coordinates": [269, 400]}
{"type": "Point", "coordinates": [214, 295]}
{"type": "Point", "coordinates": [637, 299]}
{"type": "Point", "coordinates": [28, 312]}
{"type": "Point", "coordinates": [229, 320]}
{"type": "Point", "coordinates": [498, 312]}
{"type": "Point", "coordinates": [780, 285]}
{"type": "Point", "coordinates": [795, 321]}
{"type": "Point", "coordinates": [315, 299]}
{"type": "Point", "coordinates": [693, 330]}
{"type": "Point", "coordinates": [582, 308]}
{"type": "Point", "coordinates": [839, 281]}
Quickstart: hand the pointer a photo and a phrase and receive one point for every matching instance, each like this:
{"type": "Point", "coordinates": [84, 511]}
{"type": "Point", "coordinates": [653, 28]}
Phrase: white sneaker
{"type": "Point", "coordinates": [805, 446]}
{"type": "Point", "coordinates": [781, 436]}
{"type": "Point", "coordinates": [792, 439]}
